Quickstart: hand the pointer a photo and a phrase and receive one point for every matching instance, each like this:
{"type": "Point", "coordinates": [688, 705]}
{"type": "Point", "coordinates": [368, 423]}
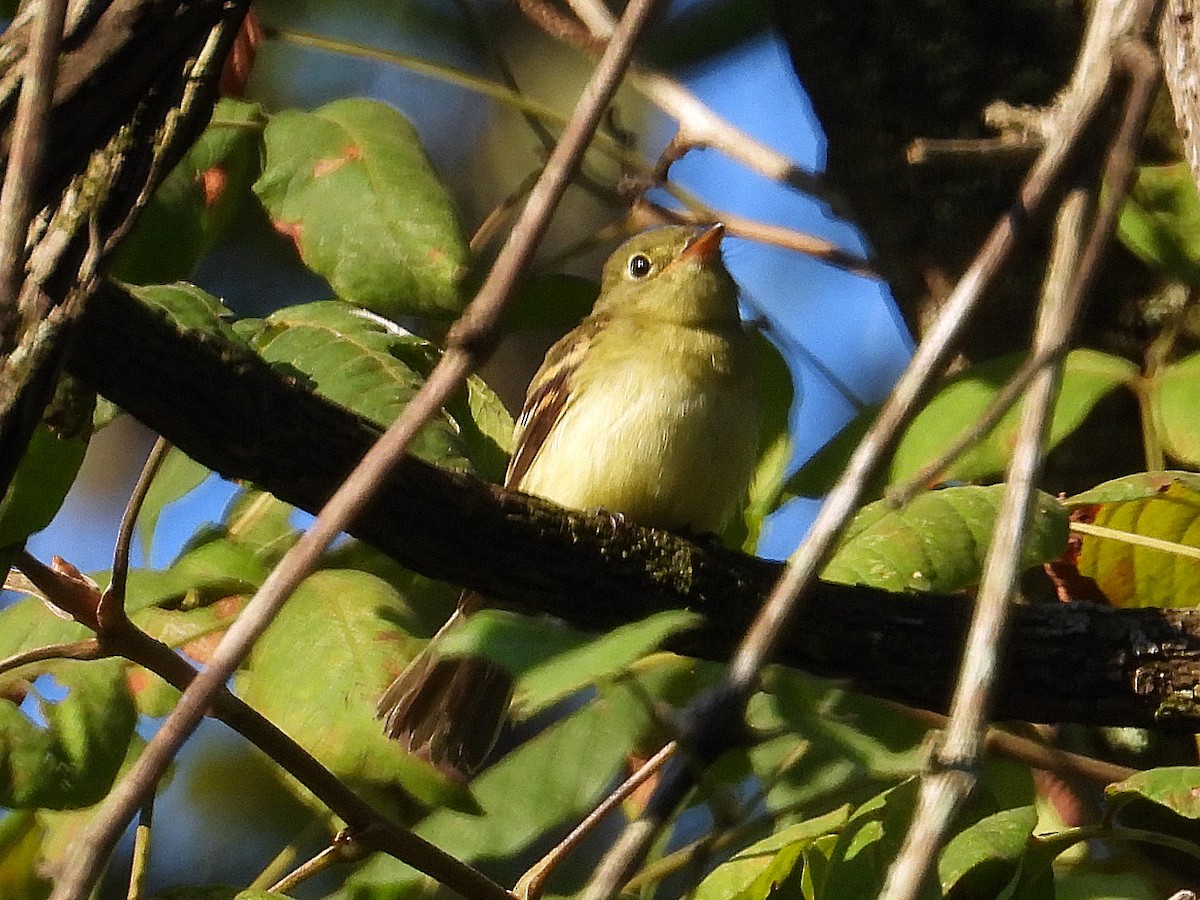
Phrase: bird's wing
{"type": "Point", "coordinates": [548, 397]}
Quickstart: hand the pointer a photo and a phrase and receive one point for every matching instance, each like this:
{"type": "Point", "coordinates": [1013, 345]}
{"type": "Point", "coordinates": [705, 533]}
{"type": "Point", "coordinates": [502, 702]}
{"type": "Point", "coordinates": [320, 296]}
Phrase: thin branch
{"type": "Point", "coordinates": [1035, 753]}
{"type": "Point", "coordinates": [764, 233]}
{"type": "Point", "coordinates": [469, 342]}
{"type": "Point", "coordinates": [533, 883]}
{"type": "Point", "coordinates": [975, 152]}
{"type": "Point", "coordinates": [140, 865]}
{"type": "Point", "coordinates": [1010, 392]}
{"type": "Point", "coordinates": [1079, 107]}
{"type": "Point", "coordinates": [699, 126]}
{"type": "Point", "coordinates": [341, 851]}
{"type": "Point", "coordinates": [112, 604]}
{"type": "Point", "coordinates": [1074, 262]}
{"type": "Point", "coordinates": [21, 175]}
{"type": "Point", "coordinates": [88, 648]}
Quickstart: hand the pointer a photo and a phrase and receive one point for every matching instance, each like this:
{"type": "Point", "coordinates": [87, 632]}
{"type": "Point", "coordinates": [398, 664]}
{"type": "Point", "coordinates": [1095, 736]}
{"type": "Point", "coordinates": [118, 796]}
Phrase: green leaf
{"type": "Point", "coordinates": [177, 477]}
{"type": "Point", "coordinates": [1163, 505]}
{"type": "Point", "coordinates": [980, 860]}
{"type": "Point", "coordinates": [775, 392]}
{"type": "Point", "coordinates": [939, 541]}
{"type": "Point", "coordinates": [43, 477]}
{"type": "Point", "coordinates": [1173, 405]}
{"type": "Point", "coordinates": [188, 308]}
{"type": "Point", "coordinates": [1175, 787]}
{"type": "Point", "coordinates": [754, 872]}
{"type": "Point", "coordinates": [1160, 221]}
{"type": "Point", "coordinates": [1088, 377]}
{"type": "Point", "coordinates": [20, 858]}
{"type": "Point", "coordinates": [262, 524]}
{"type": "Point", "coordinates": [318, 671]}
{"type": "Point", "coordinates": [868, 844]}
{"type": "Point", "coordinates": [553, 664]}
{"type": "Point", "coordinates": [72, 761]}
{"type": "Point", "coordinates": [192, 208]}
{"type": "Point", "coordinates": [352, 186]}
{"type": "Point", "coordinates": [29, 623]}
{"type": "Point", "coordinates": [375, 368]}
{"type": "Point", "coordinates": [547, 783]}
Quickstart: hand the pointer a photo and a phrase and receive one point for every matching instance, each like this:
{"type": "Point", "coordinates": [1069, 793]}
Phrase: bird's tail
{"type": "Point", "coordinates": [448, 710]}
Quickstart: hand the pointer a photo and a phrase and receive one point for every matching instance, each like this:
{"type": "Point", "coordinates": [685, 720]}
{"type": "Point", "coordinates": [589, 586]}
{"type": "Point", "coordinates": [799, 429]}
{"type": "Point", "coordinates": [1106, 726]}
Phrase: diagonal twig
{"type": "Point", "coordinates": [469, 342]}
{"type": "Point", "coordinates": [1075, 259]}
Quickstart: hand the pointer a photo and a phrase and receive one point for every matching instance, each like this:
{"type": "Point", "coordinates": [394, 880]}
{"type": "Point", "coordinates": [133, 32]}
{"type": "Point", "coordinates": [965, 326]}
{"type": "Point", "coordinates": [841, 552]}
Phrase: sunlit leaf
{"type": "Point", "coordinates": [351, 185]}
{"type": "Point", "coordinates": [1175, 787]}
{"type": "Point", "coordinates": [188, 308]}
{"type": "Point", "coordinates": [1163, 505]}
{"type": "Point", "coordinates": [370, 366]}
{"type": "Point", "coordinates": [939, 541]}
{"type": "Point", "coordinates": [753, 873]}
{"type": "Point", "coordinates": [318, 671]}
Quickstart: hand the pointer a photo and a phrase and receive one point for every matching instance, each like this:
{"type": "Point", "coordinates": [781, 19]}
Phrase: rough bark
{"type": "Point", "coordinates": [225, 407]}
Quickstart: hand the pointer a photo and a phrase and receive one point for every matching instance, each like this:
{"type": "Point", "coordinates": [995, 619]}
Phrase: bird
{"type": "Point", "coordinates": [647, 409]}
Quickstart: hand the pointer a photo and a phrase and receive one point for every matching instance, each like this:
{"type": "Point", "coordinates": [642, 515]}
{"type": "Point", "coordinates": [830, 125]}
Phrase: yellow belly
{"type": "Point", "coordinates": [669, 443]}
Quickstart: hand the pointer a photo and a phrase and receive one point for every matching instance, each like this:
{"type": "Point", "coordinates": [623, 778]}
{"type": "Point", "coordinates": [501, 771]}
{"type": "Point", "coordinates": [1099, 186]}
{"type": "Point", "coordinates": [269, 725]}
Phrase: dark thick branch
{"type": "Point", "coordinates": [229, 410]}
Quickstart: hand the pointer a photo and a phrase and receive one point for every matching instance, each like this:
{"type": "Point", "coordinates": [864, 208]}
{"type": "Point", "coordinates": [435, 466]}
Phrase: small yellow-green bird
{"type": "Point", "coordinates": [648, 409]}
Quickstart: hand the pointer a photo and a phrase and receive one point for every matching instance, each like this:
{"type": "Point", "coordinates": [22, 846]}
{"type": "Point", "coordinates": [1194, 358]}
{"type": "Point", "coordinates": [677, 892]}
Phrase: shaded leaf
{"type": "Point", "coordinates": [177, 477]}
{"type": "Point", "coordinates": [193, 206]}
{"type": "Point", "coordinates": [773, 382]}
{"type": "Point", "coordinates": [351, 185]}
{"type": "Point", "coordinates": [939, 541]}
{"type": "Point", "coordinates": [1160, 221]}
{"type": "Point", "coordinates": [1088, 377]}
{"type": "Point", "coordinates": [868, 844]}
{"type": "Point", "coordinates": [20, 855]}
{"type": "Point", "coordinates": [553, 302]}
{"type": "Point", "coordinates": [72, 760]}
{"type": "Point", "coordinates": [43, 477]}
{"type": "Point", "coordinates": [1163, 505]}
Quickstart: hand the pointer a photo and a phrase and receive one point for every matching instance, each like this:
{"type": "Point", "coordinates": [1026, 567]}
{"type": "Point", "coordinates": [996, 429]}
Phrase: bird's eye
{"type": "Point", "coordinates": [639, 265]}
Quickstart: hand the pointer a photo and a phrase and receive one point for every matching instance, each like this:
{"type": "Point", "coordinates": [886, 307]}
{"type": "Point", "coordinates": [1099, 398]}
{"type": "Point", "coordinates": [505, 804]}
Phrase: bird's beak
{"type": "Point", "coordinates": [706, 245]}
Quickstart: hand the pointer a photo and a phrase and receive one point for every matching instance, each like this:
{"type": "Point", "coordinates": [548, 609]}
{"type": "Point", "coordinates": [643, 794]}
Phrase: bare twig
{"type": "Point", "coordinates": [1079, 107]}
{"type": "Point", "coordinates": [469, 342]}
{"type": "Point", "coordinates": [775, 235]}
{"type": "Point", "coordinates": [342, 850]}
{"type": "Point", "coordinates": [24, 160]}
{"type": "Point", "coordinates": [533, 882]}
{"type": "Point", "coordinates": [699, 126]}
{"type": "Point", "coordinates": [899, 494]}
{"type": "Point", "coordinates": [88, 648]}
{"type": "Point", "coordinates": [1074, 262]}
{"type": "Point", "coordinates": [976, 152]}
{"type": "Point", "coordinates": [1035, 753]}
{"type": "Point", "coordinates": [112, 603]}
